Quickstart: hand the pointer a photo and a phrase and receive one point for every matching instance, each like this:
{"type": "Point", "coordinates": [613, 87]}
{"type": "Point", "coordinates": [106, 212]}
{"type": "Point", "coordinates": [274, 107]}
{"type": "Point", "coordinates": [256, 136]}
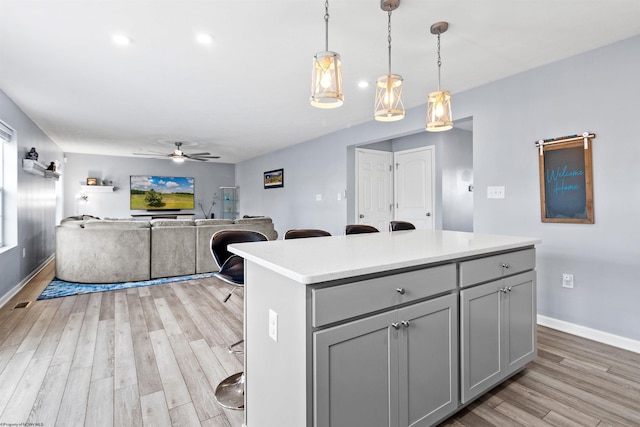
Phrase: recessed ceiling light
{"type": "Point", "coordinates": [363, 84]}
{"type": "Point", "coordinates": [121, 39]}
{"type": "Point", "coordinates": [204, 38]}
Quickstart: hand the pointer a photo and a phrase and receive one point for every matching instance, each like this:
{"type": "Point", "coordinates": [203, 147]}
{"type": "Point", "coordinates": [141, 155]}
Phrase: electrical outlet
{"type": "Point", "coordinates": [567, 280]}
{"type": "Point", "coordinates": [273, 325]}
{"type": "Point", "coordinates": [495, 192]}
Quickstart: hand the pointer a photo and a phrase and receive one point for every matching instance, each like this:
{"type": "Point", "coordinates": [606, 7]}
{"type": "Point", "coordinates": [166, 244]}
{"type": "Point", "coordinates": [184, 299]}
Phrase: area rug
{"type": "Point", "coordinates": [59, 288]}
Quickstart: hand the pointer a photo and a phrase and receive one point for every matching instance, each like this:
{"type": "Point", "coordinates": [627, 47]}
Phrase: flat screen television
{"type": "Point", "coordinates": [161, 193]}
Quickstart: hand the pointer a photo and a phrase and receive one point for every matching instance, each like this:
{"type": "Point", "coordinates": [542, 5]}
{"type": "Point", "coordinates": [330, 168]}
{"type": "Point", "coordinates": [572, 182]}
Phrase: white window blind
{"type": "Point", "coordinates": [6, 135]}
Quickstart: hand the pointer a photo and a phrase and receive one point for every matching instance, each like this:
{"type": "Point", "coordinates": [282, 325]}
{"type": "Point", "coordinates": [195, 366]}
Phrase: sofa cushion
{"type": "Point", "coordinates": [253, 220]}
{"type": "Point", "coordinates": [101, 223]}
{"type": "Point", "coordinates": [203, 222]}
{"type": "Point", "coordinates": [160, 222]}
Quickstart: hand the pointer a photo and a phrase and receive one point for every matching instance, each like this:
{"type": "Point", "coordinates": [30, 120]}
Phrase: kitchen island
{"type": "Point", "coordinates": [383, 329]}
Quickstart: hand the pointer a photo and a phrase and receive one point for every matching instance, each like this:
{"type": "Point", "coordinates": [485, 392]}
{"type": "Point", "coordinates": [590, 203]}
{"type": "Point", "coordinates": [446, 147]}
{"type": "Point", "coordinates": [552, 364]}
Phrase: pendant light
{"type": "Point", "coordinates": [326, 77]}
{"type": "Point", "coordinates": [389, 105]}
{"type": "Point", "coordinates": [439, 102]}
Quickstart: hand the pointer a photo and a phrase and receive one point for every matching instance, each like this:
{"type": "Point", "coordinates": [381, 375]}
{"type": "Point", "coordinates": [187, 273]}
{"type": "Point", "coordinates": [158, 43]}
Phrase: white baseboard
{"type": "Point", "coordinates": [13, 291]}
{"type": "Point", "coordinates": [592, 334]}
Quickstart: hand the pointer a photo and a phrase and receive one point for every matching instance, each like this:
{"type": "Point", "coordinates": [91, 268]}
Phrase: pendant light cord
{"type": "Point", "coordinates": [326, 25]}
{"type": "Point", "coordinates": [389, 40]}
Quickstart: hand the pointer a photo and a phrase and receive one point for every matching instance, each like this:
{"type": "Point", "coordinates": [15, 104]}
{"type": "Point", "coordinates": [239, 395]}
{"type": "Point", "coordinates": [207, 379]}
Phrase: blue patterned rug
{"type": "Point", "coordinates": [59, 288]}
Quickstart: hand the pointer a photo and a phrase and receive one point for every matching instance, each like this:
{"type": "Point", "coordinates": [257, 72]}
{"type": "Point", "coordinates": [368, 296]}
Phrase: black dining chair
{"type": "Point", "coordinates": [301, 233]}
{"type": "Point", "coordinates": [401, 225]}
{"type": "Point", "coordinates": [230, 392]}
{"type": "Point", "coordinates": [360, 229]}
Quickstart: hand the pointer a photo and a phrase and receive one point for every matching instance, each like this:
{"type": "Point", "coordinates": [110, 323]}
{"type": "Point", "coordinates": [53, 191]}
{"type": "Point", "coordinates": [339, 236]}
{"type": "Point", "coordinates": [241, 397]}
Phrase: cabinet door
{"type": "Point", "coordinates": [480, 338]}
{"type": "Point", "coordinates": [355, 367]}
{"type": "Point", "coordinates": [520, 321]}
{"type": "Point", "coordinates": [428, 361]}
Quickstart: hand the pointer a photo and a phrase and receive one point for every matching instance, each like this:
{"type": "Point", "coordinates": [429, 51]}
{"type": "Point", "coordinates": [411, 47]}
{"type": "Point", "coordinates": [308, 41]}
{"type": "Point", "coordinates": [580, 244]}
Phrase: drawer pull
{"type": "Point", "coordinates": [400, 291]}
{"type": "Point", "coordinates": [395, 325]}
{"type": "Point", "coordinates": [505, 265]}
{"type": "Point", "coordinates": [405, 323]}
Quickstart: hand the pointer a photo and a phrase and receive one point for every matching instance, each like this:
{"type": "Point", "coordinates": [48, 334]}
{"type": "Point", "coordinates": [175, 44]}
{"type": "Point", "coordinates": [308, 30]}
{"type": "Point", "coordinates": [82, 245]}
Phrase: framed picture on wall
{"type": "Point", "coordinates": [92, 181]}
{"type": "Point", "coordinates": [274, 178]}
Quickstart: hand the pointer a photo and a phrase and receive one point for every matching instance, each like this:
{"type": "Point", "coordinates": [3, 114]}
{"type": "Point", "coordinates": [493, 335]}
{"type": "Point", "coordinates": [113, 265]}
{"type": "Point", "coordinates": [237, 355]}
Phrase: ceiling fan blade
{"type": "Point", "coordinates": [198, 154]}
{"type": "Point", "coordinates": [200, 159]}
{"type": "Point", "coordinates": [150, 154]}
{"type": "Point", "coordinates": [204, 157]}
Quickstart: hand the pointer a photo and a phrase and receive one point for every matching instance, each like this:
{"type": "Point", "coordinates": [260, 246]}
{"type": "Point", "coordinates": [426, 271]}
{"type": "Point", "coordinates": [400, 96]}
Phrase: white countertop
{"type": "Point", "coordinates": [320, 259]}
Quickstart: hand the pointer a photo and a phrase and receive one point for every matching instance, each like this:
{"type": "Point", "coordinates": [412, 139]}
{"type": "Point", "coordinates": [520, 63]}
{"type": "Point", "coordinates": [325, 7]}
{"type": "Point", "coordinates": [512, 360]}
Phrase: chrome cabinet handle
{"type": "Point", "coordinates": [428, 213]}
{"type": "Point", "coordinates": [395, 325]}
{"type": "Point", "coordinates": [509, 289]}
{"type": "Point", "coordinates": [400, 291]}
{"type": "Point", "coordinates": [405, 323]}
{"type": "Point", "coordinates": [361, 216]}
{"type": "Point", "coordinates": [505, 265]}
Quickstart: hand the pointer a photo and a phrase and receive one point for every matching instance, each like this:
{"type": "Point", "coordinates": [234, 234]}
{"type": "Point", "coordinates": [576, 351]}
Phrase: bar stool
{"type": "Point", "coordinates": [302, 233]}
{"type": "Point", "coordinates": [230, 392]}
{"type": "Point", "coordinates": [359, 229]}
{"type": "Point", "coordinates": [401, 225]}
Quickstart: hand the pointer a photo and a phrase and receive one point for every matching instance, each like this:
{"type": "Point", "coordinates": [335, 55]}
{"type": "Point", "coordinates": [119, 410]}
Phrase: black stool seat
{"type": "Point", "coordinates": [401, 225]}
{"type": "Point", "coordinates": [302, 233]}
{"type": "Point", "coordinates": [360, 229]}
{"type": "Point", "coordinates": [232, 271]}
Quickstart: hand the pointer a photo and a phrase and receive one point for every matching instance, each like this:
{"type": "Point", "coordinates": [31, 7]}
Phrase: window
{"type": "Point", "coordinates": [6, 136]}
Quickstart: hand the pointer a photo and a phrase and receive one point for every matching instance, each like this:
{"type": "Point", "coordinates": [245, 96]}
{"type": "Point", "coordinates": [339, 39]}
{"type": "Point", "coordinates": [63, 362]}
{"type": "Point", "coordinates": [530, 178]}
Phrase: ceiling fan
{"type": "Point", "coordinates": [179, 156]}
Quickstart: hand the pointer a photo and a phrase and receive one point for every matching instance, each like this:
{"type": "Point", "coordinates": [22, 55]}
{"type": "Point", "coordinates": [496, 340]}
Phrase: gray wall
{"type": "Point", "coordinates": [35, 200]}
{"type": "Point", "coordinates": [208, 177]}
{"type": "Point", "coordinates": [597, 92]}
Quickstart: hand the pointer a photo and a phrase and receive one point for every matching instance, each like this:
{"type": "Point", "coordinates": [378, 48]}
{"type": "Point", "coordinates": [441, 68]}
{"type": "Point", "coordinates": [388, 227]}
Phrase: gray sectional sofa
{"type": "Point", "coordinates": [92, 250]}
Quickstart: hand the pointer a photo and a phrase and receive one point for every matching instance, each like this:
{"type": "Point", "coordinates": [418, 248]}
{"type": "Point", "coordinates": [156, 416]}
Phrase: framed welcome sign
{"type": "Point", "coordinates": [566, 179]}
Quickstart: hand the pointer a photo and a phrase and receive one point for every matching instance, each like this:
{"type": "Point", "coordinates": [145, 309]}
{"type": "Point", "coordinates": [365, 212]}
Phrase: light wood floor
{"type": "Point", "coordinates": [153, 355]}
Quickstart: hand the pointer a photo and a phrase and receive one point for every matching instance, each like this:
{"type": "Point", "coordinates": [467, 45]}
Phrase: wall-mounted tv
{"type": "Point", "coordinates": [158, 193]}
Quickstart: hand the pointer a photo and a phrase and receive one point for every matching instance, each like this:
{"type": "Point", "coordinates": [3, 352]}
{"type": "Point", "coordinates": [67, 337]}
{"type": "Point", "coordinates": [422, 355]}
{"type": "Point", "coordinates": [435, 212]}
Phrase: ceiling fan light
{"type": "Point", "coordinates": [439, 111]}
{"type": "Point", "coordinates": [389, 107]}
{"type": "Point", "coordinates": [326, 80]}
{"type": "Point", "coordinates": [178, 159]}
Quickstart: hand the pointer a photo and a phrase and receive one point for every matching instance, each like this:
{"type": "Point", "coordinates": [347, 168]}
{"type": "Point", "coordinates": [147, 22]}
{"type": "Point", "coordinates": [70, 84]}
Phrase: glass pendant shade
{"type": "Point", "coordinates": [389, 106]}
{"type": "Point", "coordinates": [439, 111]}
{"type": "Point", "coordinates": [326, 80]}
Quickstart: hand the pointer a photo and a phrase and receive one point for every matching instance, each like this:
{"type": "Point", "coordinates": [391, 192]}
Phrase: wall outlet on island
{"type": "Point", "coordinates": [567, 280]}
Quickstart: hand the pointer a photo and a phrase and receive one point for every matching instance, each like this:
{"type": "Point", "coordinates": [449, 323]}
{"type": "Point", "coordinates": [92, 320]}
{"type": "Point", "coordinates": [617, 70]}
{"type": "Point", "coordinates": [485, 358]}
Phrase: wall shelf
{"type": "Point", "coordinates": [97, 188]}
{"type": "Point", "coordinates": [36, 168]}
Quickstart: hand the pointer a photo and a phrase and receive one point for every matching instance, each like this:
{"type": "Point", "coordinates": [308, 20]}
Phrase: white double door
{"type": "Point", "coordinates": [395, 186]}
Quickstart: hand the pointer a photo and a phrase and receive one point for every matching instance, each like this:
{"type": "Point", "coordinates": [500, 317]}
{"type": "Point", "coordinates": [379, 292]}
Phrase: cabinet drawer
{"type": "Point", "coordinates": [354, 299]}
{"type": "Point", "coordinates": [497, 266]}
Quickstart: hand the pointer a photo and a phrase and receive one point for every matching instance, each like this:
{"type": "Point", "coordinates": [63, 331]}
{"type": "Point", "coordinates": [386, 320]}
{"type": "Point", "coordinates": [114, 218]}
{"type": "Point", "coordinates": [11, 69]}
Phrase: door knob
{"type": "Point", "coordinates": [361, 216]}
{"type": "Point", "coordinates": [428, 214]}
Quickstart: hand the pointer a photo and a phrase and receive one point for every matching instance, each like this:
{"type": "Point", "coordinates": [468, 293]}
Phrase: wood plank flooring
{"type": "Point", "coordinates": [152, 356]}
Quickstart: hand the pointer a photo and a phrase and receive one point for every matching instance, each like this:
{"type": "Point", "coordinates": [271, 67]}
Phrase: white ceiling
{"type": "Point", "coordinates": [247, 93]}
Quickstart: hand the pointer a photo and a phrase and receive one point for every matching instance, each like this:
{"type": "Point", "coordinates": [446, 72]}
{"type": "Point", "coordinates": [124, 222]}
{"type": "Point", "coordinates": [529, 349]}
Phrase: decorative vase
{"type": "Point", "coordinates": [32, 154]}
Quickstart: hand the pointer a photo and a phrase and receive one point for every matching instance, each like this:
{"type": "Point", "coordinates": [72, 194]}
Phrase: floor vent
{"type": "Point", "coordinates": [24, 304]}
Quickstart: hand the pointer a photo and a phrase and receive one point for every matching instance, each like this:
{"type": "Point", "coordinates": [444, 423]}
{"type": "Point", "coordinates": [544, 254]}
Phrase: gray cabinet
{"type": "Point", "coordinates": [398, 368]}
{"type": "Point", "coordinates": [497, 331]}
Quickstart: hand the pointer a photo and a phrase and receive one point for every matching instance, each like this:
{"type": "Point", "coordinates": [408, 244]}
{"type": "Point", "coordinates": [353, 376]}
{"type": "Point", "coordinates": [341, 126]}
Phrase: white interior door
{"type": "Point", "coordinates": [374, 187]}
{"type": "Point", "coordinates": [415, 187]}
